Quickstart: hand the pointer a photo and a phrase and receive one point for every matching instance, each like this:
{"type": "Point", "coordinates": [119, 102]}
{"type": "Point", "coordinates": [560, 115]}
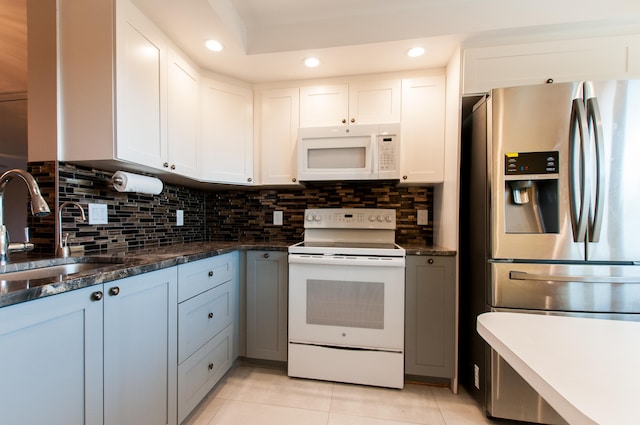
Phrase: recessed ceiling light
{"type": "Point", "coordinates": [311, 62]}
{"type": "Point", "coordinates": [415, 52]}
{"type": "Point", "coordinates": [213, 45]}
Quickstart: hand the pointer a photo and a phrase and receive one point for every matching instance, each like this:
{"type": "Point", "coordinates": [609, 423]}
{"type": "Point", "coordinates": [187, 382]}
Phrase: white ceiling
{"type": "Point", "coordinates": [267, 40]}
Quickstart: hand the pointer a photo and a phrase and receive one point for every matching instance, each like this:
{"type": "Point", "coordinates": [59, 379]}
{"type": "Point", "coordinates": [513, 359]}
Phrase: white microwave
{"type": "Point", "coordinates": [354, 152]}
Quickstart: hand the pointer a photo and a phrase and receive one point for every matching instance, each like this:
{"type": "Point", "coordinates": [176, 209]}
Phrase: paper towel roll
{"type": "Point", "coordinates": [129, 182]}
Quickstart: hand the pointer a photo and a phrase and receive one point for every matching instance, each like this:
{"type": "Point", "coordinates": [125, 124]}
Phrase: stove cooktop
{"type": "Point", "coordinates": [347, 248]}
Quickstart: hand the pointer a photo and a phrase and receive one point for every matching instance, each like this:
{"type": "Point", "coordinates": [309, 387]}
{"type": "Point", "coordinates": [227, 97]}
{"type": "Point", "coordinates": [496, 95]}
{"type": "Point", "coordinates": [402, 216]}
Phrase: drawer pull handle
{"type": "Point", "coordinates": [265, 255]}
{"type": "Point", "coordinates": [210, 273]}
{"type": "Point", "coordinates": [210, 366]}
{"type": "Point", "coordinates": [210, 315]}
{"type": "Point", "coordinates": [114, 291]}
{"type": "Point", "coordinates": [96, 296]}
{"type": "Point", "coordinates": [430, 261]}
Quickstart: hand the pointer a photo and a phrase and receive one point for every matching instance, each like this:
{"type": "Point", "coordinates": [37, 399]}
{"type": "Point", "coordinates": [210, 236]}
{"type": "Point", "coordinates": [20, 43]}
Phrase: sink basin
{"type": "Point", "coordinates": [52, 271]}
{"type": "Point", "coordinates": [59, 271]}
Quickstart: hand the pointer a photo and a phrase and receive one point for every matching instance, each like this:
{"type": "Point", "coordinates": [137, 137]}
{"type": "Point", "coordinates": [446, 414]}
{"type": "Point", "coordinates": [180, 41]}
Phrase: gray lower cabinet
{"type": "Point", "coordinates": [98, 355]}
{"type": "Point", "coordinates": [430, 313]}
{"type": "Point", "coordinates": [51, 360]}
{"type": "Point", "coordinates": [206, 312]}
{"type": "Point", "coordinates": [140, 349]}
{"type": "Point", "coordinates": [267, 279]}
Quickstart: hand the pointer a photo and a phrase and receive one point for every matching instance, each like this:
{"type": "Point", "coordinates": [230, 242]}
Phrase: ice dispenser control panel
{"type": "Point", "coordinates": [518, 163]}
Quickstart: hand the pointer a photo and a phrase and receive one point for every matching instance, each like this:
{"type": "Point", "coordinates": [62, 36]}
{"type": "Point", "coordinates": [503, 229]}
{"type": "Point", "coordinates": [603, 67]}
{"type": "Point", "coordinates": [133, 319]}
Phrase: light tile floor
{"type": "Point", "coordinates": [251, 395]}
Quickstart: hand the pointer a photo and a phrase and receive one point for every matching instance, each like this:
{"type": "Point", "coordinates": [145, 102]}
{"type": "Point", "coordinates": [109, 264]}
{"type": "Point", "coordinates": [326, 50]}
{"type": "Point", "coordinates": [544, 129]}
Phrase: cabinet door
{"type": "Point", "coordinates": [183, 117]}
{"type": "Point", "coordinates": [422, 130]}
{"type": "Point", "coordinates": [322, 106]}
{"type": "Point", "coordinates": [374, 102]}
{"type": "Point", "coordinates": [140, 88]}
{"type": "Point", "coordinates": [227, 133]}
{"type": "Point", "coordinates": [280, 118]}
{"type": "Point", "coordinates": [605, 58]}
{"type": "Point", "coordinates": [140, 349]}
{"type": "Point", "coordinates": [267, 305]}
{"type": "Point", "coordinates": [51, 360]}
{"type": "Point", "coordinates": [430, 316]}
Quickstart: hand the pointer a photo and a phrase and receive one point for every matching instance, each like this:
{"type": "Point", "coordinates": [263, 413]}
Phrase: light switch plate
{"type": "Point", "coordinates": [423, 217]}
{"type": "Point", "coordinates": [277, 218]}
{"type": "Point", "coordinates": [98, 214]}
{"type": "Point", "coordinates": [179, 218]}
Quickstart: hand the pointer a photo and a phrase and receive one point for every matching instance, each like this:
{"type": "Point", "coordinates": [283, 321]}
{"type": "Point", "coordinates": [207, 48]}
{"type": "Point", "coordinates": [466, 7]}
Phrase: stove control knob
{"type": "Point", "coordinates": [310, 217]}
{"type": "Point", "coordinates": [380, 219]}
{"type": "Point", "coordinates": [317, 217]}
{"type": "Point", "coordinates": [389, 219]}
{"type": "Point", "coordinates": [372, 218]}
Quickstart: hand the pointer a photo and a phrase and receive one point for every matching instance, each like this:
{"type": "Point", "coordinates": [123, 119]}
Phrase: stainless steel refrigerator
{"type": "Point", "coordinates": [550, 220]}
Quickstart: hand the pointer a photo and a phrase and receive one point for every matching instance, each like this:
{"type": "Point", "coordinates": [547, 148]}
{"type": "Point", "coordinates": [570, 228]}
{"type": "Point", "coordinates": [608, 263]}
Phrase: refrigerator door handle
{"type": "Point", "coordinates": [595, 122]}
{"type": "Point", "coordinates": [577, 166]}
{"type": "Point", "coordinates": [515, 275]}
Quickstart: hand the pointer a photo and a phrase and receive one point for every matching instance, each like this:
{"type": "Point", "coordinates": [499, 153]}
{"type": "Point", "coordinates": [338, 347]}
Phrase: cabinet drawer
{"type": "Point", "coordinates": [198, 276]}
{"type": "Point", "coordinates": [202, 371]}
{"type": "Point", "coordinates": [200, 318]}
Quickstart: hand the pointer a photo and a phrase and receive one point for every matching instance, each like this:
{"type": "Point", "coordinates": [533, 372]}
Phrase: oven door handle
{"type": "Point", "coordinates": [346, 260]}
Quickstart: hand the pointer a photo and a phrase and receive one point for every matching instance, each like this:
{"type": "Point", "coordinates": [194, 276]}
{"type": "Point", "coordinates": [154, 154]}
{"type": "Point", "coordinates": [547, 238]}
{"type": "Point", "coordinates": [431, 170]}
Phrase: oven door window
{"type": "Point", "coordinates": [345, 303]}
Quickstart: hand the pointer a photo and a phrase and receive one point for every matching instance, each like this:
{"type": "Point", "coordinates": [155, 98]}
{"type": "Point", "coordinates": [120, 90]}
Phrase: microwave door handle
{"type": "Point", "coordinates": [374, 154]}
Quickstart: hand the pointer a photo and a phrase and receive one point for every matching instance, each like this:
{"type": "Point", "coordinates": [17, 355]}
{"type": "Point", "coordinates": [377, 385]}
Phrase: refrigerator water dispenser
{"type": "Point", "coordinates": [531, 192]}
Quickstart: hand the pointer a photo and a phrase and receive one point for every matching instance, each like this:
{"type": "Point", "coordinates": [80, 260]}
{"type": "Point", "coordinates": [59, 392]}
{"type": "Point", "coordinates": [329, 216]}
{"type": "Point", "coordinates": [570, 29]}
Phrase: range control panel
{"type": "Point", "coordinates": [349, 218]}
{"type": "Point", "coordinates": [518, 163]}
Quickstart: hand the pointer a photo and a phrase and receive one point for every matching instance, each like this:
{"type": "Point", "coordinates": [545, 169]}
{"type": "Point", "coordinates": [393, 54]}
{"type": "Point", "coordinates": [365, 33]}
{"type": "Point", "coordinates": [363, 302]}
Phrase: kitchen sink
{"type": "Point", "coordinates": [52, 271]}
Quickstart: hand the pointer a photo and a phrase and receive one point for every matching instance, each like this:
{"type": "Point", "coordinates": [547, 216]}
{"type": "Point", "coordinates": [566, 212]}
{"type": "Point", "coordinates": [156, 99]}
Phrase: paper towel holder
{"type": "Point", "coordinates": [123, 181]}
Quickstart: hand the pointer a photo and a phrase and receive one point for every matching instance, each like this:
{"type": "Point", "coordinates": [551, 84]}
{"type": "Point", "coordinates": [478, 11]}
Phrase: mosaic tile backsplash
{"type": "Point", "coordinates": [137, 221]}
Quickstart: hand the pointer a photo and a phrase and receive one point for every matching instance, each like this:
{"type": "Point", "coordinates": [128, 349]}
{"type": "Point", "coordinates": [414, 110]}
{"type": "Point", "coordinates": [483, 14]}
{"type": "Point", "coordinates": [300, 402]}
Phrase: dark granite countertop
{"type": "Point", "coordinates": [120, 265]}
{"type": "Point", "coordinates": [436, 250]}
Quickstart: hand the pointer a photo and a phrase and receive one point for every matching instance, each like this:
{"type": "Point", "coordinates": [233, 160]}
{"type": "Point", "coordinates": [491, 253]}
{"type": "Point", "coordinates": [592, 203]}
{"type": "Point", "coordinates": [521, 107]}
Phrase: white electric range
{"type": "Point", "coordinates": [346, 298]}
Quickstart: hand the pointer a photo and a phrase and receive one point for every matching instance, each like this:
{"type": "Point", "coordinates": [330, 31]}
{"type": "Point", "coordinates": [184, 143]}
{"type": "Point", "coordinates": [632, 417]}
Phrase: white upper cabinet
{"type": "Point", "coordinates": [422, 130]}
{"type": "Point", "coordinates": [144, 116]}
{"type": "Point", "coordinates": [358, 102]}
{"type": "Point", "coordinates": [183, 117]}
{"type": "Point", "coordinates": [140, 59]}
{"type": "Point", "coordinates": [322, 106]}
{"type": "Point", "coordinates": [534, 63]}
{"type": "Point", "coordinates": [279, 121]}
{"type": "Point", "coordinates": [227, 133]}
{"type": "Point", "coordinates": [374, 102]}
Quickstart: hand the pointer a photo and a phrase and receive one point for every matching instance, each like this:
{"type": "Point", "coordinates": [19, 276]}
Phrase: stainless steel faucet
{"type": "Point", "coordinates": [39, 208]}
{"type": "Point", "coordinates": [63, 249]}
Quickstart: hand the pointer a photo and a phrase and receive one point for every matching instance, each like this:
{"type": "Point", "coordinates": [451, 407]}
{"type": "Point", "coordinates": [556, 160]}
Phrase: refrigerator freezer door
{"type": "Point", "coordinates": [566, 287]}
{"type": "Point", "coordinates": [525, 122]}
{"type": "Point", "coordinates": [618, 104]}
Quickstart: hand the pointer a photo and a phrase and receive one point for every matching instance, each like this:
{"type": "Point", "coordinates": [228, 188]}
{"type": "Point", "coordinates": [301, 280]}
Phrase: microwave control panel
{"type": "Point", "coordinates": [387, 152]}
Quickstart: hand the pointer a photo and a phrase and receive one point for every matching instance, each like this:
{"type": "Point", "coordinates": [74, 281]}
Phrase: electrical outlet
{"type": "Point", "coordinates": [277, 218]}
{"type": "Point", "coordinates": [179, 218]}
{"type": "Point", "coordinates": [423, 217]}
{"type": "Point", "coordinates": [98, 214]}
{"type": "Point", "coordinates": [476, 376]}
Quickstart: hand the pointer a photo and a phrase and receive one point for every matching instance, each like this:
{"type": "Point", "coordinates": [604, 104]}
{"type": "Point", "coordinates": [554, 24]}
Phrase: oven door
{"type": "Point", "coordinates": [347, 301]}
